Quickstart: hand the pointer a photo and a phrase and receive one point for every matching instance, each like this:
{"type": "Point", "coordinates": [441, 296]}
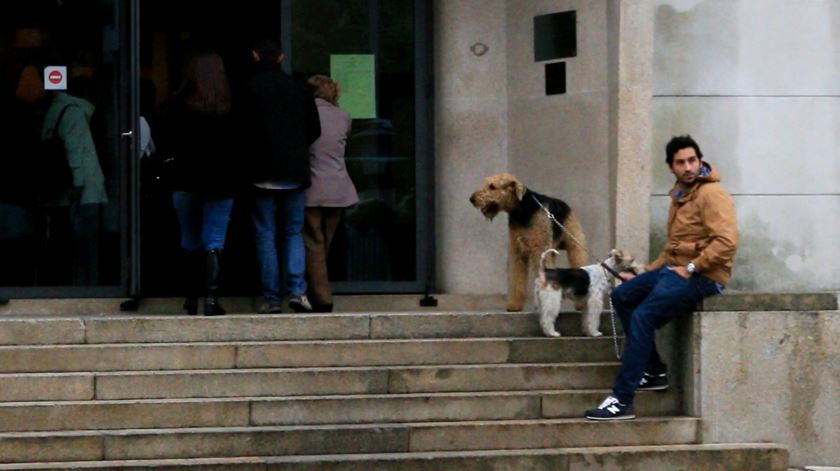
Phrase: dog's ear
{"type": "Point", "coordinates": [519, 189]}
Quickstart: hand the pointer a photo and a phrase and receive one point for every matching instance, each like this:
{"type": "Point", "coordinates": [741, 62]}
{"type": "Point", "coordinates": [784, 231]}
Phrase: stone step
{"type": "Point", "coordinates": [308, 381]}
{"type": "Point", "coordinates": [731, 300]}
{"type": "Point", "coordinates": [249, 304]}
{"type": "Point", "coordinates": [340, 439]}
{"type": "Point", "coordinates": [165, 329]}
{"type": "Point", "coordinates": [315, 410]}
{"type": "Point", "coordinates": [281, 354]}
{"type": "Point", "coordinates": [303, 381]}
{"type": "Point", "coordinates": [726, 457]}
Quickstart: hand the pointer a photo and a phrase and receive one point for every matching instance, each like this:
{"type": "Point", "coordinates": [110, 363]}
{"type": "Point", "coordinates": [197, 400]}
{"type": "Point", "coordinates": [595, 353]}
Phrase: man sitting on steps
{"type": "Point", "coordinates": [695, 263]}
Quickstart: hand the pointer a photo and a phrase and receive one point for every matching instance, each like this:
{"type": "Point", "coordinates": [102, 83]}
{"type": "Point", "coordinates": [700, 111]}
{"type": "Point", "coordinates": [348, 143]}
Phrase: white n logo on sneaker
{"type": "Point", "coordinates": [613, 409]}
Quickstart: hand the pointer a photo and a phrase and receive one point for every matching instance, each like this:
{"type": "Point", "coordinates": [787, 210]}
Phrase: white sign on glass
{"type": "Point", "coordinates": [55, 77]}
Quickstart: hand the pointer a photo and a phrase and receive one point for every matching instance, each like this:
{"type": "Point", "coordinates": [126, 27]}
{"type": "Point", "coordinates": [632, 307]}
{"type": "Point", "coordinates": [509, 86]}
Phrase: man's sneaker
{"type": "Point", "coordinates": [611, 409]}
{"type": "Point", "coordinates": [653, 382]}
{"type": "Point", "coordinates": [270, 308]}
{"type": "Point", "coordinates": [300, 304]}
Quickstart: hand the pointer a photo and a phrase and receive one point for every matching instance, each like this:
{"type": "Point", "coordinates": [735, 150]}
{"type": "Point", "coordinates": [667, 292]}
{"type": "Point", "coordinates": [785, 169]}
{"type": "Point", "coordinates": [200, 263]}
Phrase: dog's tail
{"type": "Point", "coordinates": [545, 254]}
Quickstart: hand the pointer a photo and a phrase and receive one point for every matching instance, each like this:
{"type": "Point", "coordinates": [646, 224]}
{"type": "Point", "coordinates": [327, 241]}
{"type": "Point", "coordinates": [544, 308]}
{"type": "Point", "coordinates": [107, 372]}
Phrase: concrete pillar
{"type": "Point", "coordinates": [631, 89]}
{"type": "Point", "coordinates": [471, 142]}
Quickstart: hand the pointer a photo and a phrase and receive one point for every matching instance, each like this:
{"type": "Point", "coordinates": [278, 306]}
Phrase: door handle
{"type": "Point", "coordinates": [127, 134]}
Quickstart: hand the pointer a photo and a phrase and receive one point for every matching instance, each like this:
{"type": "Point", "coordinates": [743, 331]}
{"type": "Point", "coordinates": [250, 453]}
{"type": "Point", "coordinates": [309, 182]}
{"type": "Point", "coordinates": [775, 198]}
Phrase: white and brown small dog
{"type": "Point", "coordinates": [589, 283]}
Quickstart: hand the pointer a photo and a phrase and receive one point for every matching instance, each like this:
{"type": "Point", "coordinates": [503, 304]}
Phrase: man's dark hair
{"type": "Point", "coordinates": [678, 143]}
{"type": "Point", "coordinates": [269, 48]}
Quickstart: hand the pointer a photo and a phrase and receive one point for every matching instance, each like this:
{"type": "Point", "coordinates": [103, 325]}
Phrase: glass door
{"type": "Point", "coordinates": [379, 51]}
{"type": "Point", "coordinates": [385, 243]}
{"type": "Point", "coordinates": [68, 128]}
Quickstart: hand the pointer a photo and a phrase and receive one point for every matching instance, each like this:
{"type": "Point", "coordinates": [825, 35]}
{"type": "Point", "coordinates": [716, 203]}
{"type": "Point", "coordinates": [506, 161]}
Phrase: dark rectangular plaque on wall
{"type": "Point", "coordinates": [555, 36]}
{"type": "Point", "coordinates": [555, 78]}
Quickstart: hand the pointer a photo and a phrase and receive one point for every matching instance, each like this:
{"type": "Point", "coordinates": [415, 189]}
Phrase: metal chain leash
{"type": "Point", "coordinates": [582, 247]}
{"type": "Point", "coordinates": [614, 332]}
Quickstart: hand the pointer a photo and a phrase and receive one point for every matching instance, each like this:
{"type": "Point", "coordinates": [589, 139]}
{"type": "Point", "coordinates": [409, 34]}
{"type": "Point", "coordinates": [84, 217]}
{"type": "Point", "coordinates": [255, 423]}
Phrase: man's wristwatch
{"type": "Point", "coordinates": [690, 268]}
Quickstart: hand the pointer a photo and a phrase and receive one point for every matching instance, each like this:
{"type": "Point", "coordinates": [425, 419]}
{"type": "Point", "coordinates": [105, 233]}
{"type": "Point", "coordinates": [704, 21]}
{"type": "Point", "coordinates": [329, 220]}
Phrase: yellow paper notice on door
{"type": "Point", "coordinates": [356, 74]}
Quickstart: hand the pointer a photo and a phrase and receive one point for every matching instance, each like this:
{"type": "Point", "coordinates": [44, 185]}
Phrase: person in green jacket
{"type": "Point", "coordinates": [74, 131]}
{"type": "Point", "coordinates": [70, 220]}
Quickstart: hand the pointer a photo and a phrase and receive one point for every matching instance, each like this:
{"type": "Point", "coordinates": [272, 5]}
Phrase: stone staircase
{"type": "Point", "coordinates": [384, 391]}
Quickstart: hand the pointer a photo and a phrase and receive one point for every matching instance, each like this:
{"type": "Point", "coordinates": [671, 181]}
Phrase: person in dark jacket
{"type": "Point", "coordinates": [281, 121]}
{"type": "Point", "coordinates": [198, 133]}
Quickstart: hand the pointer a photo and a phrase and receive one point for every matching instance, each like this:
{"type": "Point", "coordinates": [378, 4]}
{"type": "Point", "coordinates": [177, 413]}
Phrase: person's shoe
{"type": "Point", "coordinates": [300, 304]}
{"type": "Point", "coordinates": [270, 308]}
{"type": "Point", "coordinates": [653, 382]}
{"type": "Point", "coordinates": [322, 308]}
{"type": "Point", "coordinates": [212, 306]}
{"type": "Point", "coordinates": [611, 409]}
{"type": "Point", "coordinates": [191, 306]}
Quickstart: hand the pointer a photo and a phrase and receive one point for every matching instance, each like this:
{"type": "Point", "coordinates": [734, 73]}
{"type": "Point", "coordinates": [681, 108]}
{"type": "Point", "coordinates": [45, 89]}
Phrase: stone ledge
{"type": "Point", "coordinates": [771, 302]}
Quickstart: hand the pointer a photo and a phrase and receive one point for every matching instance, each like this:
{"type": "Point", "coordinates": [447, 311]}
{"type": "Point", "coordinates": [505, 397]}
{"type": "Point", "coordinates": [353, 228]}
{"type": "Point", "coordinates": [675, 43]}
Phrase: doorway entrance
{"type": "Point", "coordinates": [383, 243]}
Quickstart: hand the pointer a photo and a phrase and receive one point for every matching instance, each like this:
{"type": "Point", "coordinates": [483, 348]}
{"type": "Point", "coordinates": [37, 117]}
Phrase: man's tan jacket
{"type": "Point", "coordinates": [702, 228]}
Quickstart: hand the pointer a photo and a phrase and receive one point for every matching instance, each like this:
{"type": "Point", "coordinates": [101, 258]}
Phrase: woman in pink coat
{"type": "Point", "coordinates": [331, 190]}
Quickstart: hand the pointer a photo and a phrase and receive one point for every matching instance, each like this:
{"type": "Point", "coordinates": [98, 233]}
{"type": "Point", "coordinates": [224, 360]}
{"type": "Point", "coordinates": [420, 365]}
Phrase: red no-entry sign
{"type": "Point", "coordinates": [55, 77]}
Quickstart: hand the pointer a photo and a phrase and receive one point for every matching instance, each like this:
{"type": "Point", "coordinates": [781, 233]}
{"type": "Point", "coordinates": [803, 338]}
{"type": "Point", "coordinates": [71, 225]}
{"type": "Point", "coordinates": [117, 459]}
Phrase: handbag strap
{"type": "Point", "coordinates": [58, 121]}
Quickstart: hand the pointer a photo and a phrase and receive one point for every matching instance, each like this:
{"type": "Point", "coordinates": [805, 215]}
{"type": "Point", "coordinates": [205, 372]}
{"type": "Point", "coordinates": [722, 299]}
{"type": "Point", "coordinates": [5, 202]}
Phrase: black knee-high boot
{"type": "Point", "coordinates": [211, 303]}
{"type": "Point", "coordinates": [193, 275]}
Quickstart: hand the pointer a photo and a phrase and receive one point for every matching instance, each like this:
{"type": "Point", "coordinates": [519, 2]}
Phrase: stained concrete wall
{"type": "Point", "coordinates": [771, 376]}
{"type": "Point", "coordinates": [492, 116]}
{"type": "Point", "coordinates": [756, 83]}
{"type": "Point", "coordinates": [559, 144]}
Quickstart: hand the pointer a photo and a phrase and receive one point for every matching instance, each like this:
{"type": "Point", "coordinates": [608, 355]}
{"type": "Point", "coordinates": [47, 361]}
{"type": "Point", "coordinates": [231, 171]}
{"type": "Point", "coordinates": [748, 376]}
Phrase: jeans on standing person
{"type": "Point", "coordinates": [203, 220]}
{"type": "Point", "coordinates": [263, 211]}
{"type": "Point", "coordinates": [644, 304]}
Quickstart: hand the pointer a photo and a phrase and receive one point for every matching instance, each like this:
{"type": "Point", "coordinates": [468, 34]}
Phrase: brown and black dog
{"type": "Point", "coordinates": [531, 232]}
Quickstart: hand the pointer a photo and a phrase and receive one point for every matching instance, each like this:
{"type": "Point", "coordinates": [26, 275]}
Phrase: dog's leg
{"type": "Point", "coordinates": [518, 281]}
{"type": "Point", "coordinates": [550, 303]}
{"type": "Point", "coordinates": [592, 314]}
{"type": "Point", "coordinates": [576, 251]}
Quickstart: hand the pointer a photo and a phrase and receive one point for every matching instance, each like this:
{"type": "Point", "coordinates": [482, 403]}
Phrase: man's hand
{"type": "Point", "coordinates": [626, 276]}
{"type": "Point", "coordinates": [682, 271]}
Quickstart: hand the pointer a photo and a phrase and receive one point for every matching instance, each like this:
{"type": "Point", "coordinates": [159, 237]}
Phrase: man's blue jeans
{"type": "Point", "coordinates": [644, 304]}
{"type": "Point", "coordinates": [263, 211]}
{"type": "Point", "coordinates": [203, 219]}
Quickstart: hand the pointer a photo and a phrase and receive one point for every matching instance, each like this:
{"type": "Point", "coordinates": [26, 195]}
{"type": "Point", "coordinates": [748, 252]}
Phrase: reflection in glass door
{"type": "Point", "coordinates": [64, 103]}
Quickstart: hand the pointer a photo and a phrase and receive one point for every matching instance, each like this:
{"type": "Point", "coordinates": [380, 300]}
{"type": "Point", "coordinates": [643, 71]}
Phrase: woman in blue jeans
{"type": "Point", "coordinates": [199, 138]}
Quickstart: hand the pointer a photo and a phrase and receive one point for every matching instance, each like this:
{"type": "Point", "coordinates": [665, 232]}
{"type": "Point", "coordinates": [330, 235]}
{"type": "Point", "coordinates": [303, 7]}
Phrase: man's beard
{"type": "Point", "coordinates": [684, 178]}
